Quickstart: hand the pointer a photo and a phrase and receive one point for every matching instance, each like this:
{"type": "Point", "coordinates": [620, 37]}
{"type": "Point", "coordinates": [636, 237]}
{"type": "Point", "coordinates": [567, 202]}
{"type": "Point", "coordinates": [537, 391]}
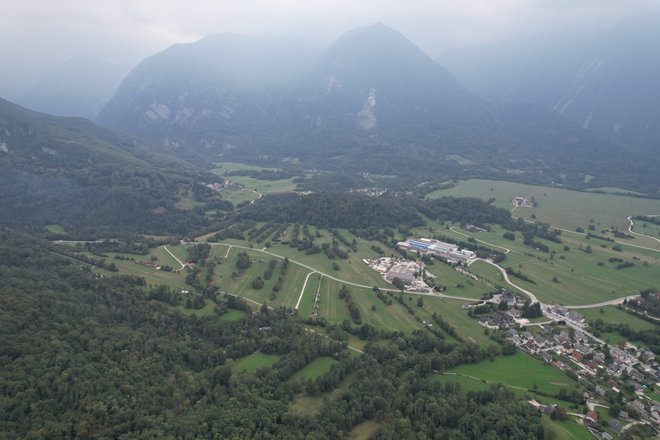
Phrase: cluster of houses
{"type": "Point", "coordinates": [626, 371]}
{"type": "Point", "coordinates": [217, 186]}
{"type": "Point", "coordinates": [369, 192]}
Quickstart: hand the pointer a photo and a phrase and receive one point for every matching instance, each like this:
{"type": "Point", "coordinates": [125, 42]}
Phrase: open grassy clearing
{"type": "Point", "coordinates": [456, 283]}
{"type": "Point", "coordinates": [559, 207]}
{"type": "Point", "coordinates": [364, 430]}
{"type": "Point", "coordinates": [207, 310]}
{"type": "Point", "coordinates": [468, 384]}
{"type": "Point", "coordinates": [318, 367]}
{"type": "Point", "coordinates": [232, 315]}
{"type": "Point", "coordinates": [55, 229]}
{"type": "Point", "coordinates": [254, 362]}
{"type": "Point", "coordinates": [451, 311]}
{"type": "Point", "coordinates": [264, 186]}
{"type": "Point", "coordinates": [519, 370]}
{"type": "Point", "coordinates": [152, 276]}
{"type": "Point", "coordinates": [238, 195]}
{"type": "Point", "coordinates": [567, 430]}
{"type": "Point", "coordinates": [251, 183]}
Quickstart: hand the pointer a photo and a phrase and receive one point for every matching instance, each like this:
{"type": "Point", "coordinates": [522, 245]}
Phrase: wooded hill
{"type": "Point", "coordinates": [89, 180]}
{"type": "Point", "coordinates": [86, 357]}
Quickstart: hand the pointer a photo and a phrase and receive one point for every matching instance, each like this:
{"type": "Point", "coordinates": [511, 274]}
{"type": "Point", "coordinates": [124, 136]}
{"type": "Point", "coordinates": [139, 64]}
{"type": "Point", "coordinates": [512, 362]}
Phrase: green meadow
{"type": "Point", "coordinates": [318, 367]}
{"type": "Point", "coordinates": [615, 315]}
{"type": "Point", "coordinates": [572, 276]}
{"type": "Point", "coordinates": [254, 362]}
{"type": "Point", "coordinates": [232, 315]}
{"type": "Point", "coordinates": [567, 429]}
{"type": "Point", "coordinates": [557, 206]}
{"type": "Point", "coordinates": [518, 371]}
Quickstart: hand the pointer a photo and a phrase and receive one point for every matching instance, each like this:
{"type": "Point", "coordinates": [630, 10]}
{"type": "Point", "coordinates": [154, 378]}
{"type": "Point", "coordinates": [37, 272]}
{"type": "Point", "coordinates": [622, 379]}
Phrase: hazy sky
{"type": "Point", "coordinates": [37, 35]}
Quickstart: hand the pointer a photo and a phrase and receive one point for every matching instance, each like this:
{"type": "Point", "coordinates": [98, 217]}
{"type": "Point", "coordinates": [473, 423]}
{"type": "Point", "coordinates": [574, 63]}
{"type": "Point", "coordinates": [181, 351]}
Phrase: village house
{"type": "Point", "coordinates": [591, 417]}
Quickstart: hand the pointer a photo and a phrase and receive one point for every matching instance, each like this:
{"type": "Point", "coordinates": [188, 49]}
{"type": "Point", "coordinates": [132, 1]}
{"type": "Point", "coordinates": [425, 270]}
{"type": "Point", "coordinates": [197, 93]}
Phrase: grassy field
{"type": "Point", "coordinates": [207, 310]}
{"type": "Point", "coordinates": [254, 362]}
{"type": "Point", "coordinates": [352, 269]}
{"type": "Point", "coordinates": [468, 384]}
{"type": "Point", "coordinates": [307, 302]}
{"type": "Point", "coordinates": [581, 277]}
{"type": "Point", "coordinates": [567, 430]}
{"type": "Point", "coordinates": [180, 251]}
{"type": "Point", "coordinates": [519, 370]}
{"type": "Point", "coordinates": [384, 317]}
{"type": "Point", "coordinates": [456, 283]}
{"type": "Point", "coordinates": [615, 315]}
{"type": "Point", "coordinates": [559, 207]}
{"type": "Point", "coordinates": [55, 229]}
{"type": "Point", "coordinates": [318, 367]}
{"type": "Point", "coordinates": [364, 430]}
{"type": "Point", "coordinates": [264, 186]}
{"type": "Point", "coordinates": [450, 310]}
{"type": "Point", "coordinates": [232, 315]}
{"type": "Point", "coordinates": [241, 283]}
{"type": "Point", "coordinates": [152, 276]}
{"type": "Point", "coordinates": [250, 183]}
{"type": "Point", "coordinates": [646, 228]}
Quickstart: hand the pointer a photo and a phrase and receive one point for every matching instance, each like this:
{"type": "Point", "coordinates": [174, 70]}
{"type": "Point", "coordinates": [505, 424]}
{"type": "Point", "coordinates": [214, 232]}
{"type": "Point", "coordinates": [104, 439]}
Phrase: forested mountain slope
{"type": "Point", "coordinates": [70, 172]}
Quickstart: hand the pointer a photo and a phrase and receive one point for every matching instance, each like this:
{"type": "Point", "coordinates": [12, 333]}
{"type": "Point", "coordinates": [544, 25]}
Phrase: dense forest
{"type": "Point", "coordinates": [351, 210]}
{"type": "Point", "coordinates": [86, 356]}
{"type": "Point", "coordinates": [91, 181]}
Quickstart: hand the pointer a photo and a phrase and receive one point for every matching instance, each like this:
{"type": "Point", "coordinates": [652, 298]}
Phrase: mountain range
{"type": "Point", "coordinates": [371, 101]}
{"type": "Point", "coordinates": [606, 81]}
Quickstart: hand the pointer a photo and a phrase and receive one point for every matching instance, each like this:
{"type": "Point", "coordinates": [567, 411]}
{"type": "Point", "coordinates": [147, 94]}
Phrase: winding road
{"type": "Point", "coordinates": [183, 266]}
{"type": "Point", "coordinates": [506, 278]}
{"type": "Point", "coordinates": [506, 250]}
{"type": "Point", "coordinates": [615, 241]}
{"type": "Point", "coordinates": [641, 235]}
